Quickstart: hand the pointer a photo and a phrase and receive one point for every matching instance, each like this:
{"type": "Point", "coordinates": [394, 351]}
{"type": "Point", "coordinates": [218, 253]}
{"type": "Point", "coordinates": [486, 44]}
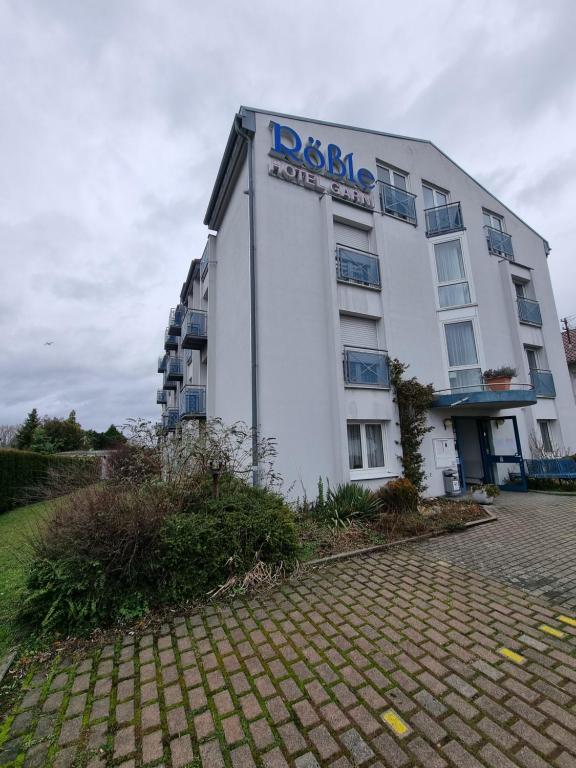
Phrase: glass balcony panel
{"type": "Point", "coordinates": [444, 218]}
{"type": "Point", "coordinates": [170, 419]}
{"type": "Point", "coordinates": [357, 267]}
{"type": "Point", "coordinates": [529, 311]}
{"type": "Point", "coordinates": [193, 401]}
{"type": "Point", "coordinates": [196, 325]}
{"type": "Point", "coordinates": [366, 368]}
{"type": "Point", "coordinates": [398, 202]}
{"type": "Point", "coordinates": [161, 397]}
{"type": "Point", "coordinates": [161, 363]}
{"type": "Point", "coordinates": [543, 383]}
{"type": "Point", "coordinates": [499, 243]}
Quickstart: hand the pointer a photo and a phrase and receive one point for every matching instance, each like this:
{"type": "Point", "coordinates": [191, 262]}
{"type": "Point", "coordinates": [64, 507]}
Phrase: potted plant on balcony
{"type": "Point", "coordinates": [499, 378]}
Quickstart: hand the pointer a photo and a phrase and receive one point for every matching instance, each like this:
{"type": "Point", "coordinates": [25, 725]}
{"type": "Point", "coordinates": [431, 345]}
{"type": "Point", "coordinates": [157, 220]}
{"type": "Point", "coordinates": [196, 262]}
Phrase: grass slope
{"type": "Point", "coordinates": [15, 527]}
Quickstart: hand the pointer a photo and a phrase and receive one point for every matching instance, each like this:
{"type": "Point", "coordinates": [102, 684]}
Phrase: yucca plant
{"type": "Point", "coordinates": [349, 503]}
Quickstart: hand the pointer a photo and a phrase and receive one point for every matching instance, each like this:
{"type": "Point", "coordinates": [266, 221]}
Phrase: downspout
{"type": "Point", "coordinates": [249, 138]}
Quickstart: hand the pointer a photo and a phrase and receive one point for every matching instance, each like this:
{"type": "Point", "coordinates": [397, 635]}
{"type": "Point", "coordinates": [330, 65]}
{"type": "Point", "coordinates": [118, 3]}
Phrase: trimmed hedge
{"type": "Point", "coordinates": [24, 475]}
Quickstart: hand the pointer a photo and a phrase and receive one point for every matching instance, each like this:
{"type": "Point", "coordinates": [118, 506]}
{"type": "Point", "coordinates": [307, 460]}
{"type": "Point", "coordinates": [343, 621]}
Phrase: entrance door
{"type": "Point", "coordinates": [502, 453]}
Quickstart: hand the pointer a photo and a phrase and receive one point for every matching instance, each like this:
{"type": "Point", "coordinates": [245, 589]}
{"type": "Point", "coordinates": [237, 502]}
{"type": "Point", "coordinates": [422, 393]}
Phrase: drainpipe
{"type": "Point", "coordinates": [249, 138]}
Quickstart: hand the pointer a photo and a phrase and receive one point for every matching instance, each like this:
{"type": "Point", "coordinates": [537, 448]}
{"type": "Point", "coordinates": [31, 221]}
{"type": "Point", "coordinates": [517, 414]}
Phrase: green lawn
{"type": "Point", "coordinates": [15, 527]}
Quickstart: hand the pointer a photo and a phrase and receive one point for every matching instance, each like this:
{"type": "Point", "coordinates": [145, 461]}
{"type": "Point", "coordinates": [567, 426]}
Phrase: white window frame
{"type": "Point", "coordinates": [392, 170]}
{"type": "Point", "coordinates": [495, 220]}
{"type": "Point", "coordinates": [435, 191]}
{"type": "Point", "coordinates": [448, 237]}
{"type": "Point", "coordinates": [479, 352]}
{"type": "Point", "coordinates": [366, 472]}
{"type": "Point", "coordinates": [551, 430]}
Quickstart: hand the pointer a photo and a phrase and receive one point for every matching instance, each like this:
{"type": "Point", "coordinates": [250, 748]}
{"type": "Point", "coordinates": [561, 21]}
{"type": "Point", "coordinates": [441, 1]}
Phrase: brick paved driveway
{"type": "Point", "coordinates": [532, 546]}
{"type": "Point", "coordinates": [393, 660]}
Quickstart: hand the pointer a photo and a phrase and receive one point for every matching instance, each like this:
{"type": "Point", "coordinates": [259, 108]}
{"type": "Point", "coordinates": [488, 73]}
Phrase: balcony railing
{"type": "Point", "coordinates": [162, 363]}
{"type": "Point", "coordinates": [193, 402]}
{"type": "Point", "coordinates": [170, 419]}
{"type": "Point", "coordinates": [170, 341]}
{"type": "Point", "coordinates": [366, 368]}
{"type": "Point", "coordinates": [195, 329]}
{"type": "Point", "coordinates": [175, 369]}
{"type": "Point", "coordinates": [499, 243]}
{"type": "Point", "coordinates": [543, 382]}
{"type": "Point", "coordinates": [169, 383]}
{"type": "Point", "coordinates": [161, 397]}
{"type": "Point", "coordinates": [175, 321]}
{"type": "Point", "coordinates": [443, 219]}
{"type": "Point", "coordinates": [529, 311]}
{"type": "Point", "coordinates": [397, 202]}
{"type": "Point", "coordinates": [204, 264]}
{"type": "Point", "coordinates": [357, 267]}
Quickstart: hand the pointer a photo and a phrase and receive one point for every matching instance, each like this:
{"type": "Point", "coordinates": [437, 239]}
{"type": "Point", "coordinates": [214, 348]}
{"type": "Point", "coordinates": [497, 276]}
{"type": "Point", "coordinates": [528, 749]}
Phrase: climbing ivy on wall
{"type": "Point", "coordinates": [413, 400]}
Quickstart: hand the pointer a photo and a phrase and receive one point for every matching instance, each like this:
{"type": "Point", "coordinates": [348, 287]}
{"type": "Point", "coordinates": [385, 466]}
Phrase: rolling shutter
{"type": "Point", "coordinates": [358, 332]}
{"type": "Point", "coordinates": [353, 237]}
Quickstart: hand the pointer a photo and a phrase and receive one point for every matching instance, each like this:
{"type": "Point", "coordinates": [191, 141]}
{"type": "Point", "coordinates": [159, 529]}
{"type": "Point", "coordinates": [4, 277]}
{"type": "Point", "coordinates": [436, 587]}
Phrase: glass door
{"type": "Point", "coordinates": [501, 453]}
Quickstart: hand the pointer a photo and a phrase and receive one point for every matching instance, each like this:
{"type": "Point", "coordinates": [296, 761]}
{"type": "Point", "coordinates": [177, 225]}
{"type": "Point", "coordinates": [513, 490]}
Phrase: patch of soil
{"type": "Point", "coordinates": [434, 516]}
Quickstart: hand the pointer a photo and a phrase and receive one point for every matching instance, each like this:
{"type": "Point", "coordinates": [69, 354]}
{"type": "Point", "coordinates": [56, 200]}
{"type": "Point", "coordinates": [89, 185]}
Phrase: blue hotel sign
{"type": "Point", "coordinates": [304, 163]}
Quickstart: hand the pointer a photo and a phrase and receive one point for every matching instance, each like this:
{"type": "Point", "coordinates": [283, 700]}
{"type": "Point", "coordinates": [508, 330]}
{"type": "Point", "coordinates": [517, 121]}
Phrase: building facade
{"type": "Point", "coordinates": [569, 342]}
{"type": "Point", "coordinates": [335, 249]}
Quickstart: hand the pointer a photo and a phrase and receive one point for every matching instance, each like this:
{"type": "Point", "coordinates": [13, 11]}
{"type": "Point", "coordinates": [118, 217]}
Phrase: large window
{"type": "Point", "coordinates": [365, 445]}
{"type": "Point", "coordinates": [433, 197]}
{"type": "Point", "coordinates": [395, 198]}
{"type": "Point", "coordinates": [453, 288]}
{"type": "Point", "coordinates": [464, 372]}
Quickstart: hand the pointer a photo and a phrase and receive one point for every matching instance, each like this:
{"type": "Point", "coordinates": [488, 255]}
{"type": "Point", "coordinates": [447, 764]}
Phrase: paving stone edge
{"type": "Point", "coordinates": [490, 518]}
{"type": "Point", "coordinates": [6, 663]}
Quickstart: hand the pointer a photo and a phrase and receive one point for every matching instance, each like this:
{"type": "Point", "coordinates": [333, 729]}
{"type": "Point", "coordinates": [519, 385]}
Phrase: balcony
{"type": "Point", "coordinates": [195, 329]}
{"type": "Point", "coordinates": [483, 395]}
{"type": "Point", "coordinates": [357, 267]}
{"type": "Point", "coordinates": [499, 243]}
{"type": "Point", "coordinates": [169, 383]}
{"type": "Point", "coordinates": [175, 369]}
{"type": "Point", "coordinates": [170, 419]}
{"type": "Point", "coordinates": [529, 311]}
{"type": "Point", "coordinates": [162, 397]}
{"type": "Point", "coordinates": [170, 341]}
{"type": "Point", "coordinates": [162, 363]}
{"type": "Point", "coordinates": [175, 321]}
{"type": "Point", "coordinates": [543, 382]}
{"type": "Point", "coordinates": [443, 219]}
{"type": "Point", "coordinates": [366, 368]}
{"type": "Point", "coordinates": [397, 202]}
{"type": "Point", "coordinates": [193, 402]}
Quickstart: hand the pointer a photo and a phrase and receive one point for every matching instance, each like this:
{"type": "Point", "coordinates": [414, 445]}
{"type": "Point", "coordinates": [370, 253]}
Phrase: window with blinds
{"type": "Point", "coordinates": [358, 332]}
{"type": "Point", "coordinates": [353, 237]}
{"type": "Point", "coordinates": [353, 263]}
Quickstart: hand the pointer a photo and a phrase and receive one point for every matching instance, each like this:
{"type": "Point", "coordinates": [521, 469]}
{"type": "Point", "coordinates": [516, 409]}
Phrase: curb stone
{"type": "Point", "coordinates": [6, 663]}
{"type": "Point", "coordinates": [490, 518]}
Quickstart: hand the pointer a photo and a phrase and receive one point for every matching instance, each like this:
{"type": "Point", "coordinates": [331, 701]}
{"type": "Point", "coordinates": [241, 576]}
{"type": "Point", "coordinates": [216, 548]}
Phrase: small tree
{"type": "Point", "coordinates": [25, 434]}
{"type": "Point", "coordinates": [413, 400]}
{"type": "Point", "coordinates": [8, 433]}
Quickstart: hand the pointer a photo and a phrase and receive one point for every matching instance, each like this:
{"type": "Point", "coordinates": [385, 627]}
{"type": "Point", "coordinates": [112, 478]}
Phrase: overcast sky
{"type": "Point", "coordinates": [114, 115]}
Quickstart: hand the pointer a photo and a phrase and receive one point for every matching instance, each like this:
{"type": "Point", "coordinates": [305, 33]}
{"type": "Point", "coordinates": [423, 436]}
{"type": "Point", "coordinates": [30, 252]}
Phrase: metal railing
{"type": "Point", "coordinates": [366, 367]}
{"type": "Point", "coordinates": [196, 323]}
{"type": "Point", "coordinates": [529, 311]}
{"type": "Point", "coordinates": [499, 243]}
{"type": "Point", "coordinates": [443, 218]}
{"type": "Point", "coordinates": [161, 397]}
{"type": "Point", "coordinates": [192, 401]}
{"type": "Point", "coordinates": [485, 387]}
{"type": "Point", "coordinates": [174, 368]}
{"type": "Point", "coordinates": [169, 383]}
{"type": "Point", "coordinates": [543, 382]}
{"type": "Point", "coordinates": [162, 363]}
{"type": "Point", "coordinates": [175, 320]}
{"type": "Point", "coordinates": [397, 202]}
{"type": "Point", "coordinates": [358, 267]}
{"type": "Point", "coordinates": [170, 419]}
{"type": "Point", "coordinates": [170, 340]}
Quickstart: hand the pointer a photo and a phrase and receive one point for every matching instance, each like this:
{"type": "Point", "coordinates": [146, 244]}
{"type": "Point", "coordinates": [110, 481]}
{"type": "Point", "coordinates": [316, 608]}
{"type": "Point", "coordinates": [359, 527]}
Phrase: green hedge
{"type": "Point", "coordinates": [24, 475]}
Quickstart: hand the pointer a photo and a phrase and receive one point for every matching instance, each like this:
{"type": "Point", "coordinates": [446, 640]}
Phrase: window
{"type": "Point", "coordinates": [464, 373]}
{"type": "Point", "coordinates": [394, 195]}
{"type": "Point", "coordinates": [546, 435]}
{"type": "Point", "coordinates": [493, 220]}
{"type": "Point", "coordinates": [533, 359]}
{"type": "Point", "coordinates": [354, 262]}
{"type": "Point", "coordinates": [453, 288]}
{"type": "Point", "coordinates": [365, 445]}
{"type": "Point", "coordinates": [520, 289]}
{"type": "Point", "coordinates": [433, 197]}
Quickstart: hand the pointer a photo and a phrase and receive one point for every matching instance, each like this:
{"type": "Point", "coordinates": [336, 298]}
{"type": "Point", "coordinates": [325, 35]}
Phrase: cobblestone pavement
{"type": "Point", "coordinates": [532, 546]}
{"type": "Point", "coordinates": [392, 660]}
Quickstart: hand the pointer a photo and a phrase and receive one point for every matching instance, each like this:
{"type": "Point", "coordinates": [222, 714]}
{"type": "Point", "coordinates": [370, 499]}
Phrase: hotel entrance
{"type": "Point", "coordinates": [489, 451]}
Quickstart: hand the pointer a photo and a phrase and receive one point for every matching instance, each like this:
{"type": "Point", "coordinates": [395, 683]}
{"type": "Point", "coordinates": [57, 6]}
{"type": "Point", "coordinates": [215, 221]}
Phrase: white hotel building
{"type": "Point", "coordinates": [332, 249]}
